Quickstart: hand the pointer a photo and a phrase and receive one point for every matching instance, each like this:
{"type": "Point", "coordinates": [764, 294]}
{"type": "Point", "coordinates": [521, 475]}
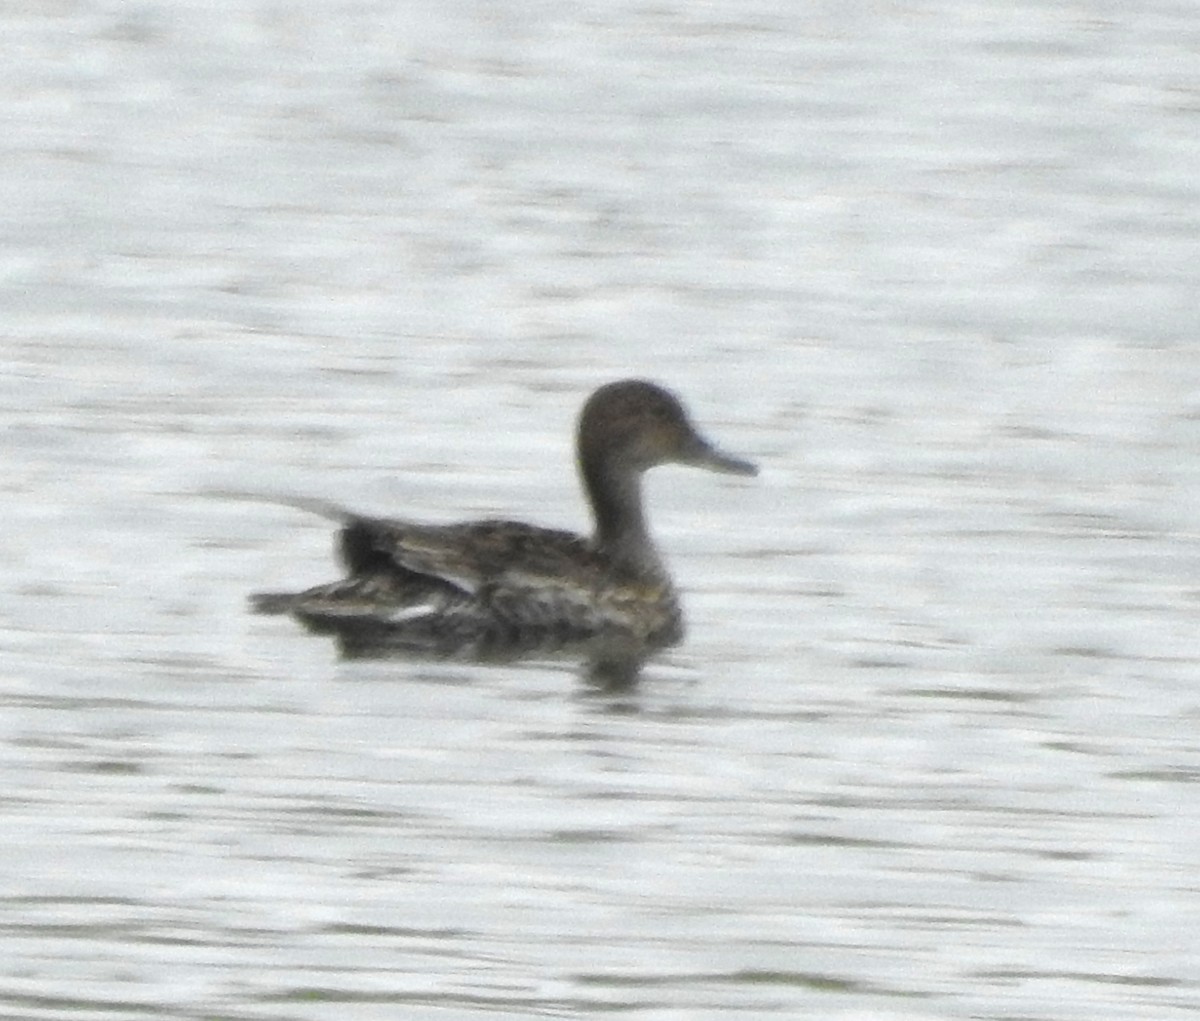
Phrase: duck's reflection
{"type": "Point", "coordinates": [606, 664]}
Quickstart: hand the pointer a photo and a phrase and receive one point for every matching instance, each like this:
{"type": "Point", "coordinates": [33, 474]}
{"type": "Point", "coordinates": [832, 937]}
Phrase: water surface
{"type": "Point", "coordinates": [929, 750]}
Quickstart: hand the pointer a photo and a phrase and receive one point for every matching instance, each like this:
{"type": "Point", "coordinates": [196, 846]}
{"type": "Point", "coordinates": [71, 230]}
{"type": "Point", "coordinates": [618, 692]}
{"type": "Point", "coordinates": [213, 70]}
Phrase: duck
{"type": "Point", "coordinates": [498, 589]}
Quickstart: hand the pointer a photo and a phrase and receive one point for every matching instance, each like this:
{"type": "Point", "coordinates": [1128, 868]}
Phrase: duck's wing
{"type": "Point", "coordinates": [393, 564]}
{"type": "Point", "coordinates": [533, 581]}
{"type": "Point", "coordinates": [471, 558]}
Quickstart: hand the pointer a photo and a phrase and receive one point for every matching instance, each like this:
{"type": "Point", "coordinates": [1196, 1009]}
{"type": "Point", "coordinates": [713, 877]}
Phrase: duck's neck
{"type": "Point", "coordinates": [615, 493]}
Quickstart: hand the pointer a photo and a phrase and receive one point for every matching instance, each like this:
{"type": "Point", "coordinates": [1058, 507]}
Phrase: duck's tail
{"type": "Point", "coordinates": [390, 598]}
{"type": "Point", "coordinates": [274, 602]}
{"type": "Point", "coordinates": [313, 505]}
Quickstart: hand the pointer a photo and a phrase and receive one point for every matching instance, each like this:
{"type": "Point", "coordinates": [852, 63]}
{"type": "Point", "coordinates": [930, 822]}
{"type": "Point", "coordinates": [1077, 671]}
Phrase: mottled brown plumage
{"type": "Point", "coordinates": [492, 589]}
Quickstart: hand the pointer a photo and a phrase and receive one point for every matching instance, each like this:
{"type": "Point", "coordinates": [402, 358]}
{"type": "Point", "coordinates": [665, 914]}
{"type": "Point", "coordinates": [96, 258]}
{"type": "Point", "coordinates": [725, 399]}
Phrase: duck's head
{"type": "Point", "coordinates": [635, 425]}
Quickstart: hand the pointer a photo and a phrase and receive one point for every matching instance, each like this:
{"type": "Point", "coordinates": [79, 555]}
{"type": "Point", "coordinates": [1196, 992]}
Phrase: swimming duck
{"type": "Point", "coordinates": [496, 589]}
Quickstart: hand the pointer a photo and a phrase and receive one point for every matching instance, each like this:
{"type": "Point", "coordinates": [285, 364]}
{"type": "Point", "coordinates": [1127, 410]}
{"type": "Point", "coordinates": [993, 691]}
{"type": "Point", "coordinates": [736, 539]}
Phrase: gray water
{"type": "Point", "coordinates": [930, 748]}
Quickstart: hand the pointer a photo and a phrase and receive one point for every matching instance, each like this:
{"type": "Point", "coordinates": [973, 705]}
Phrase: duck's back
{"type": "Point", "coordinates": [487, 588]}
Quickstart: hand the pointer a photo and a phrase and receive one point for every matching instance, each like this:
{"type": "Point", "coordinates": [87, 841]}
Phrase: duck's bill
{"type": "Point", "coordinates": [706, 456]}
